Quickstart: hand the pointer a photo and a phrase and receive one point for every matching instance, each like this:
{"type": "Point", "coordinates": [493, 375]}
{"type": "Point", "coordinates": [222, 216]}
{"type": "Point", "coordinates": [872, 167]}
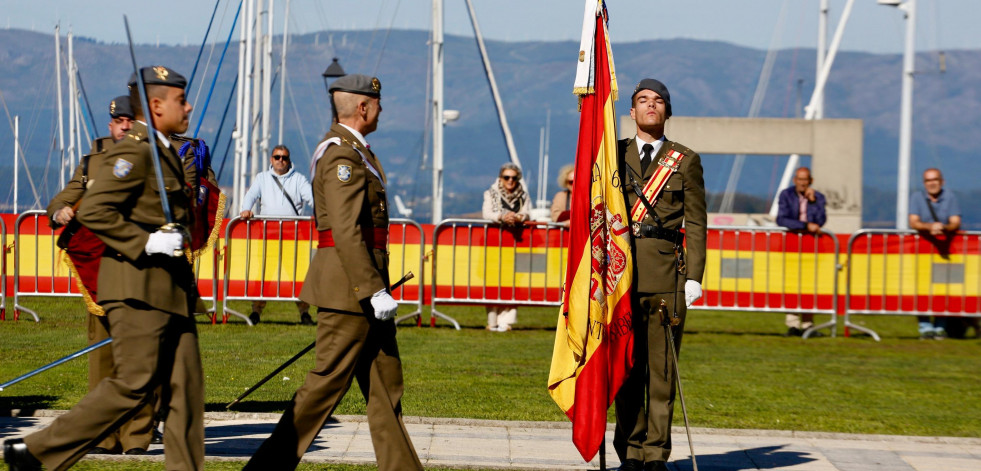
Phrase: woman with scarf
{"type": "Point", "coordinates": [506, 202]}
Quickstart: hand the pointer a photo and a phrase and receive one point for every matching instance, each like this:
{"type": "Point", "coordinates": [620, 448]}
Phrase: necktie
{"type": "Point", "coordinates": [645, 160]}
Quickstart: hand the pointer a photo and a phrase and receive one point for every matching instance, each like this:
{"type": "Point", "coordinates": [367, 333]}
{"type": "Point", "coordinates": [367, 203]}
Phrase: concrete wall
{"type": "Point", "coordinates": [835, 147]}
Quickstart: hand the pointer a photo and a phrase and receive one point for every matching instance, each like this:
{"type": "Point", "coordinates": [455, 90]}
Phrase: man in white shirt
{"type": "Point", "coordinates": [280, 191]}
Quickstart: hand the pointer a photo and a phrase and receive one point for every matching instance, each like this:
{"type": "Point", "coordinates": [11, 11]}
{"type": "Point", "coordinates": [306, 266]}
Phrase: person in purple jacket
{"type": "Point", "coordinates": [801, 209]}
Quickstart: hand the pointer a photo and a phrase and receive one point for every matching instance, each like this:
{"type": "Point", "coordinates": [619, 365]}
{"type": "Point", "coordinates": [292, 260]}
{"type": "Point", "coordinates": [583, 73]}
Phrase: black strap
{"type": "Point", "coordinates": [280, 185]}
{"type": "Point", "coordinates": [930, 207]}
{"type": "Point", "coordinates": [640, 195]}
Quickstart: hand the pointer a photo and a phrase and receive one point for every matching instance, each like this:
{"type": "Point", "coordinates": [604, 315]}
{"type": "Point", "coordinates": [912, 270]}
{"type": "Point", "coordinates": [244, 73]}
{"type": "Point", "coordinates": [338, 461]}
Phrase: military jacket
{"type": "Point", "coordinates": [350, 201]}
{"type": "Point", "coordinates": [72, 193]}
{"type": "Point", "coordinates": [681, 201]}
{"type": "Point", "coordinates": [122, 207]}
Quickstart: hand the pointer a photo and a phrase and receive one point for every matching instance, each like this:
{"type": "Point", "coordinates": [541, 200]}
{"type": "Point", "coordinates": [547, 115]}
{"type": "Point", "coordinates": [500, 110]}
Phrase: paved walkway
{"type": "Point", "coordinates": [487, 444]}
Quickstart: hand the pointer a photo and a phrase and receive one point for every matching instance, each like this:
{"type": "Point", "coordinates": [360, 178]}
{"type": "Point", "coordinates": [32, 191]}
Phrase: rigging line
{"type": "Point", "coordinates": [388, 32]}
{"type": "Point", "coordinates": [374, 31]}
{"type": "Point", "coordinates": [30, 179]}
{"type": "Point", "coordinates": [223, 160]}
{"type": "Point", "coordinates": [85, 96]}
{"type": "Point", "coordinates": [221, 125]}
{"type": "Point", "coordinates": [204, 41]}
{"type": "Point", "coordinates": [211, 53]}
{"type": "Point", "coordinates": [729, 197]}
{"type": "Point", "coordinates": [214, 80]}
{"type": "Point", "coordinates": [299, 122]}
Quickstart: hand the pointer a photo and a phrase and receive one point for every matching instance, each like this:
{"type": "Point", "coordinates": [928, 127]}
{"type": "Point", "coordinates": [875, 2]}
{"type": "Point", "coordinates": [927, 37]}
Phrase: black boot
{"type": "Point", "coordinates": [17, 456]}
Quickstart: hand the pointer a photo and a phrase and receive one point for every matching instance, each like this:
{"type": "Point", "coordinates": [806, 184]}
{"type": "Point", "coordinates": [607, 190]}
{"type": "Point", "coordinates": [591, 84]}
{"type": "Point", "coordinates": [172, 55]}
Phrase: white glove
{"type": "Point", "coordinates": [167, 243]}
{"type": "Point", "coordinates": [385, 306]}
{"type": "Point", "coordinates": [693, 292]}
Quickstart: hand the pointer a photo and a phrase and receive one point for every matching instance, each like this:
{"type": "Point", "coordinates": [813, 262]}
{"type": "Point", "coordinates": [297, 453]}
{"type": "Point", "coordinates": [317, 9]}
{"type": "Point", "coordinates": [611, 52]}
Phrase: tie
{"type": "Point", "coordinates": [645, 159]}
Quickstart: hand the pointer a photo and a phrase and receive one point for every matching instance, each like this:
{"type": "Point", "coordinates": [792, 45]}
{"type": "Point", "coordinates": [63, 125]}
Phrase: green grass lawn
{"type": "Point", "coordinates": [738, 371]}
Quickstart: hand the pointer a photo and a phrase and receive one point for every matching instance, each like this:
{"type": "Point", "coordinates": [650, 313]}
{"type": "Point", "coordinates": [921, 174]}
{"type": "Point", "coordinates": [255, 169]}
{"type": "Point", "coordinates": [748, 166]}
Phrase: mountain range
{"type": "Point", "coordinates": [705, 78]}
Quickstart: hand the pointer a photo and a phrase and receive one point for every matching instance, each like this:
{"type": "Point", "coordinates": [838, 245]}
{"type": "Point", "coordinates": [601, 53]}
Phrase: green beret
{"type": "Point", "coordinates": [119, 106]}
{"type": "Point", "coordinates": [357, 83]}
{"type": "Point", "coordinates": [159, 75]}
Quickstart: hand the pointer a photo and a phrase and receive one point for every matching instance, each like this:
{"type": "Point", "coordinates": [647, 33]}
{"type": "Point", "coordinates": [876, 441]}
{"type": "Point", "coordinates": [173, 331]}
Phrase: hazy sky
{"type": "Point", "coordinates": [941, 24]}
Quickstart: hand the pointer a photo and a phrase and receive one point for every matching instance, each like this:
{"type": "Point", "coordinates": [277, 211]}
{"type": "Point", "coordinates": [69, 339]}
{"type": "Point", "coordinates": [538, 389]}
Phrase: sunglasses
{"type": "Point", "coordinates": [280, 156]}
{"type": "Point", "coordinates": [510, 177]}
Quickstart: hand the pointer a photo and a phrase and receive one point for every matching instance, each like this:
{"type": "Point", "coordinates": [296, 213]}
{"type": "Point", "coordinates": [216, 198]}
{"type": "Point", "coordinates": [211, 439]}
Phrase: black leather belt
{"type": "Point", "coordinates": [648, 231]}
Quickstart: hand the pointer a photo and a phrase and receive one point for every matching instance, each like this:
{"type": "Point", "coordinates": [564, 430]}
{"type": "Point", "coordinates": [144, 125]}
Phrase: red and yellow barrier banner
{"type": "Point", "coordinates": [904, 272]}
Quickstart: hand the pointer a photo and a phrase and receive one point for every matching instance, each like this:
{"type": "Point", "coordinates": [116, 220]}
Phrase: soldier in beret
{"type": "Point", "coordinates": [146, 287]}
{"type": "Point", "coordinates": [135, 436]}
{"type": "Point", "coordinates": [668, 266]}
{"type": "Point", "coordinates": [348, 281]}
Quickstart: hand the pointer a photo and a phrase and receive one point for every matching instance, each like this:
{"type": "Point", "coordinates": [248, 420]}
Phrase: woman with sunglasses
{"type": "Point", "coordinates": [507, 203]}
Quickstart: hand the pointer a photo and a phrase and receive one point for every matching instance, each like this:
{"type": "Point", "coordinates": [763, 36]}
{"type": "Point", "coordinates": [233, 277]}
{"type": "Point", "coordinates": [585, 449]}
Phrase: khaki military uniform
{"type": "Point", "coordinates": [349, 201]}
{"type": "Point", "coordinates": [149, 301]}
{"type": "Point", "coordinates": [645, 403]}
{"type": "Point", "coordinates": [137, 432]}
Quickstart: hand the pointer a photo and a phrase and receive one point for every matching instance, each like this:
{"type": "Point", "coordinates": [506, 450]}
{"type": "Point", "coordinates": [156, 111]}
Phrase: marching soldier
{"type": "Point", "coordinates": [85, 251]}
{"type": "Point", "coordinates": [348, 281]}
{"type": "Point", "coordinates": [147, 290]}
{"type": "Point", "coordinates": [669, 176]}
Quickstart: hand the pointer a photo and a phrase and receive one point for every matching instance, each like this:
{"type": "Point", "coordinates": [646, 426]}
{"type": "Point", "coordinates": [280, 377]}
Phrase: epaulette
{"type": "Point", "coordinates": [682, 148]}
{"type": "Point", "coordinates": [137, 135]}
{"type": "Point", "coordinates": [100, 145]}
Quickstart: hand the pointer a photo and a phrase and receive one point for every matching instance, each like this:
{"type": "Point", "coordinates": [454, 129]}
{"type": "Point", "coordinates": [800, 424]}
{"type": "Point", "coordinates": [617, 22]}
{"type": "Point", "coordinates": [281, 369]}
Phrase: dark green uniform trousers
{"type": "Point", "coordinates": [138, 431]}
{"type": "Point", "coordinates": [645, 403]}
{"type": "Point", "coordinates": [349, 345]}
{"type": "Point", "coordinates": [148, 348]}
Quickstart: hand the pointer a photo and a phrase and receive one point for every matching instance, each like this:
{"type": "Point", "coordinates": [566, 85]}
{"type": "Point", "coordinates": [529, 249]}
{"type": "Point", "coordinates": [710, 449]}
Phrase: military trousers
{"type": "Point", "coordinates": [149, 348]}
{"type": "Point", "coordinates": [645, 402]}
{"type": "Point", "coordinates": [138, 431]}
{"type": "Point", "coordinates": [349, 345]}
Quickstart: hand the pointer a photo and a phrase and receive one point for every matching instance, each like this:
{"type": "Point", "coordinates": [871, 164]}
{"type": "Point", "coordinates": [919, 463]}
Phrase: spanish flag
{"type": "Point", "coordinates": [594, 340]}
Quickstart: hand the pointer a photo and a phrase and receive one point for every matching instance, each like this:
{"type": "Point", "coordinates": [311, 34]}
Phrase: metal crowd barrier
{"type": "Point", "coordinates": [478, 261]}
{"type": "Point", "coordinates": [50, 276]}
{"type": "Point", "coordinates": [908, 273]}
{"type": "Point", "coordinates": [3, 270]}
{"type": "Point", "coordinates": [269, 258]}
{"type": "Point", "coordinates": [265, 264]}
{"type": "Point", "coordinates": [747, 267]}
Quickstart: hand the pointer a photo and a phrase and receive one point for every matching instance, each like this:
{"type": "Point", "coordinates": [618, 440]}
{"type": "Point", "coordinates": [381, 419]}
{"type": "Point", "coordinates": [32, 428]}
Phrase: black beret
{"type": "Point", "coordinates": [159, 75]}
{"type": "Point", "coordinates": [119, 106]}
{"type": "Point", "coordinates": [357, 83]}
{"type": "Point", "coordinates": [657, 87]}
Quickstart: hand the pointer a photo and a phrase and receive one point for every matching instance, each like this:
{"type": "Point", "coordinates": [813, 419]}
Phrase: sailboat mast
{"type": "Point", "coordinates": [61, 118]}
{"type": "Point", "coordinates": [437, 107]}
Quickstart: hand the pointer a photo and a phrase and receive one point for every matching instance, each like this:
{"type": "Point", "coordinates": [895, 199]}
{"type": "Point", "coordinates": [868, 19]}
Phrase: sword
{"type": "Point", "coordinates": [56, 363]}
{"type": "Point", "coordinates": [408, 276]}
{"type": "Point", "coordinates": [668, 324]}
{"type": "Point", "coordinates": [152, 134]}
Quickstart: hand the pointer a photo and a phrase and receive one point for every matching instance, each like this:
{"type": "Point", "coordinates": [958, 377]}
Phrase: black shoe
{"type": "Point", "coordinates": [793, 332]}
{"type": "Point", "coordinates": [254, 318]}
{"type": "Point", "coordinates": [656, 466]}
{"type": "Point", "coordinates": [158, 437]}
{"type": "Point", "coordinates": [102, 451]}
{"type": "Point", "coordinates": [135, 451]}
{"type": "Point", "coordinates": [18, 457]}
{"type": "Point", "coordinates": [632, 465]}
{"type": "Point", "coordinates": [305, 319]}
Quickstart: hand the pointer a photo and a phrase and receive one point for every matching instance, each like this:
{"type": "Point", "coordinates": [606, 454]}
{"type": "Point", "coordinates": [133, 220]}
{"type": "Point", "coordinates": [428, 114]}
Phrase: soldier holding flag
{"type": "Point", "coordinates": [669, 266]}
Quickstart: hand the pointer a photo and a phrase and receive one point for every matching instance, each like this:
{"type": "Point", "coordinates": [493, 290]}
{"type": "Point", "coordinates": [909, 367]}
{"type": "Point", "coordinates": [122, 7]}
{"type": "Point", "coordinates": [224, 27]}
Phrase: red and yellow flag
{"type": "Point", "coordinates": [594, 339]}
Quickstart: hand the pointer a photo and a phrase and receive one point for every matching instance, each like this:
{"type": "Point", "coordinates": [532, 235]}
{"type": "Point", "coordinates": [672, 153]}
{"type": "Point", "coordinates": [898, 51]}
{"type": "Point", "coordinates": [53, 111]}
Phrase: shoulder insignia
{"type": "Point", "coordinates": [122, 168]}
{"type": "Point", "coordinates": [344, 173]}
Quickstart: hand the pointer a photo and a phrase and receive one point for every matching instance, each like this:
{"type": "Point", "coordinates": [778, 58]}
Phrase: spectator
{"type": "Point", "coordinates": [506, 202]}
{"type": "Point", "coordinates": [281, 191]}
{"type": "Point", "coordinates": [801, 209]}
{"type": "Point", "coordinates": [562, 199]}
{"type": "Point", "coordinates": [937, 215]}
